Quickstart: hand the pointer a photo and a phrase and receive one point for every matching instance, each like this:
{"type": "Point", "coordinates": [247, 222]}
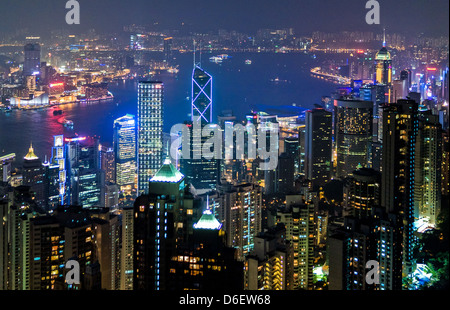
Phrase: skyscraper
{"type": "Point", "coordinates": [168, 54]}
{"type": "Point", "coordinates": [32, 62]}
{"type": "Point", "coordinates": [353, 132]}
{"type": "Point", "coordinates": [428, 189]}
{"type": "Point", "coordinates": [383, 70]}
{"type": "Point", "coordinates": [202, 173]}
{"type": "Point", "coordinates": [150, 127]}
{"type": "Point", "coordinates": [401, 126]}
{"type": "Point", "coordinates": [299, 222]}
{"type": "Point", "coordinates": [85, 178]}
{"type": "Point", "coordinates": [202, 101]}
{"type": "Point", "coordinates": [318, 146]}
{"type": "Point", "coordinates": [125, 152]}
{"type": "Point", "coordinates": [57, 187]}
{"type": "Point", "coordinates": [242, 206]}
{"type": "Point", "coordinates": [158, 228]}
{"type": "Point", "coordinates": [34, 176]}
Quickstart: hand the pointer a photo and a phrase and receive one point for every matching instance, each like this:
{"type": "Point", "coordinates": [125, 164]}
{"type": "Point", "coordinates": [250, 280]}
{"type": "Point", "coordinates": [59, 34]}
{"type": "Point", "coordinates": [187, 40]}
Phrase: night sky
{"type": "Point", "coordinates": [403, 16]}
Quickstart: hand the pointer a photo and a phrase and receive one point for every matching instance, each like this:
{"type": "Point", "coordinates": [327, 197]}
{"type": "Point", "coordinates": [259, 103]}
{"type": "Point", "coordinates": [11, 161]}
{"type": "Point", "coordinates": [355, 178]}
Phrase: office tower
{"type": "Point", "coordinates": [150, 126]}
{"type": "Point", "coordinates": [269, 266]}
{"type": "Point", "coordinates": [428, 176]}
{"type": "Point", "coordinates": [285, 174]}
{"type": "Point", "coordinates": [32, 63]}
{"type": "Point", "coordinates": [65, 235]}
{"type": "Point", "coordinates": [108, 164]}
{"type": "Point", "coordinates": [57, 177]}
{"type": "Point", "coordinates": [159, 219]}
{"type": "Point", "coordinates": [362, 192]}
{"type": "Point", "coordinates": [318, 146]}
{"type": "Point", "coordinates": [383, 68]}
{"type": "Point", "coordinates": [298, 218]}
{"type": "Point", "coordinates": [20, 211]}
{"type": "Point", "coordinates": [401, 125]}
{"type": "Point", "coordinates": [242, 210]}
{"type": "Point", "coordinates": [125, 153]}
{"type": "Point", "coordinates": [86, 179]}
{"type": "Point", "coordinates": [106, 232]}
{"type": "Point", "coordinates": [204, 262]}
{"type": "Point", "coordinates": [33, 175]}
{"type": "Point", "coordinates": [202, 173]}
{"type": "Point", "coordinates": [202, 101]}
{"type": "Point", "coordinates": [168, 54]}
{"type": "Point", "coordinates": [126, 250]}
{"type": "Point", "coordinates": [353, 135]}
{"type": "Point", "coordinates": [5, 167]}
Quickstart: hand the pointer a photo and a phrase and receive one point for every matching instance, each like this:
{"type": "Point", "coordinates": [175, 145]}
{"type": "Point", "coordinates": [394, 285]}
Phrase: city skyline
{"type": "Point", "coordinates": [259, 158]}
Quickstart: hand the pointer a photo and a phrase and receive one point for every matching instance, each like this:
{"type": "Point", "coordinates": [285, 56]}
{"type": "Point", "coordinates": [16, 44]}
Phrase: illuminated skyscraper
{"type": "Point", "coordinates": [202, 101]}
{"type": "Point", "coordinates": [84, 176]}
{"type": "Point", "coordinates": [108, 164]}
{"type": "Point", "coordinates": [299, 222]}
{"type": "Point", "coordinates": [34, 176]}
{"type": "Point", "coordinates": [202, 173]}
{"type": "Point", "coordinates": [383, 70]}
{"type": "Point", "coordinates": [57, 194]}
{"type": "Point", "coordinates": [126, 252]}
{"type": "Point", "coordinates": [383, 65]}
{"type": "Point", "coordinates": [242, 209]}
{"type": "Point", "coordinates": [125, 151]}
{"type": "Point", "coordinates": [353, 135]}
{"type": "Point", "coordinates": [158, 228]}
{"type": "Point", "coordinates": [428, 176]}
{"type": "Point", "coordinates": [318, 146]}
{"type": "Point", "coordinates": [401, 126]}
{"type": "Point", "coordinates": [150, 127]}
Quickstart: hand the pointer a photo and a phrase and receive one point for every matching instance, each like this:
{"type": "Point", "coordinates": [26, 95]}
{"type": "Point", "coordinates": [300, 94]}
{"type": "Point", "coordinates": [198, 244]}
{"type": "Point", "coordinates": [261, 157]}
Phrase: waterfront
{"type": "Point", "coordinates": [271, 80]}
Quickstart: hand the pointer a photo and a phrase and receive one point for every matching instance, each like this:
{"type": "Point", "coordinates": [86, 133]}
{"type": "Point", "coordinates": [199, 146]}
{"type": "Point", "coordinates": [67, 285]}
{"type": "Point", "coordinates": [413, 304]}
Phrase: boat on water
{"type": "Point", "coordinates": [57, 112]}
{"type": "Point", "coordinates": [220, 58]}
{"type": "Point", "coordinates": [248, 62]}
{"type": "Point", "coordinates": [68, 123]}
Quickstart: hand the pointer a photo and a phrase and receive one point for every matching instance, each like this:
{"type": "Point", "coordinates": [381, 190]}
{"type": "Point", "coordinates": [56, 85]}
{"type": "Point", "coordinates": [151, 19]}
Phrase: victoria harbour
{"type": "Point", "coordinates": [271, 80]}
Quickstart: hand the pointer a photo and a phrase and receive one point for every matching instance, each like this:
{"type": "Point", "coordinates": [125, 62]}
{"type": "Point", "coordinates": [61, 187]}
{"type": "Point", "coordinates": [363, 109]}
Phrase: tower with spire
{"type": "Point", "coordinates": [34, 175]}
